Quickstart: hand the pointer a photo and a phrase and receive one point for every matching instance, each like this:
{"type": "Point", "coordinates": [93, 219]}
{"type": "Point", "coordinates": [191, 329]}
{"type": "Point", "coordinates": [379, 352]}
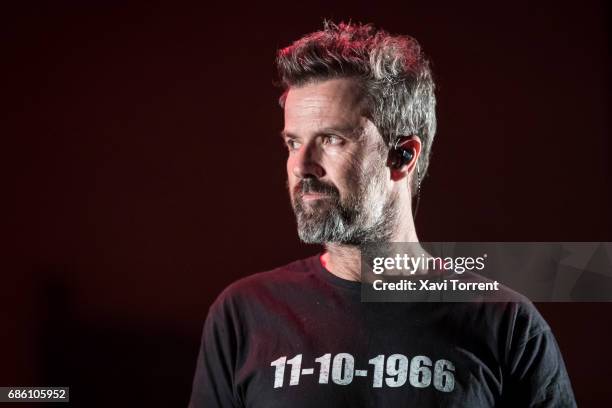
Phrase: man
{"type": "Point", "coordinates": [359, 112]}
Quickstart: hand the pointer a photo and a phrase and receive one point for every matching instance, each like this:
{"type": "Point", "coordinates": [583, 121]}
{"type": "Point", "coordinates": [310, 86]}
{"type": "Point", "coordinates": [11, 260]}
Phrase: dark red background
{"type": "Point", "coordinates": [144, 172]}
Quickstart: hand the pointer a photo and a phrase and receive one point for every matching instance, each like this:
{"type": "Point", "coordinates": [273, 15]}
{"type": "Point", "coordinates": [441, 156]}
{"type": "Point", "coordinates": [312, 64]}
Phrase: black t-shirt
{"type": "Point", "coordinates": [299, 336]}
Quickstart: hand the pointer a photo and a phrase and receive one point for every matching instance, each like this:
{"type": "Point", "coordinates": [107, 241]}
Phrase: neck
{"type": "Point", "coordinates": [344, 261]}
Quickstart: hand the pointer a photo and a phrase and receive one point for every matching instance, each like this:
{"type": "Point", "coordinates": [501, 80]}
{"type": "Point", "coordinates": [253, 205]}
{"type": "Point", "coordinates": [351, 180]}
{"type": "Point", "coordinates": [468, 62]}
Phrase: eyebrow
{"type": "Point", "coordinates": [283, 134]}
{"type": "Point", "coordinates": [347, 131]}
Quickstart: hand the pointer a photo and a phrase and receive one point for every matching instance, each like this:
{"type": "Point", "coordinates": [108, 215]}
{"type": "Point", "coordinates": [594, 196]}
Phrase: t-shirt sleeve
{"type": "Point", "coordinates": [213, 383]}
{"type": "Point", "coordinates": [538, 377]}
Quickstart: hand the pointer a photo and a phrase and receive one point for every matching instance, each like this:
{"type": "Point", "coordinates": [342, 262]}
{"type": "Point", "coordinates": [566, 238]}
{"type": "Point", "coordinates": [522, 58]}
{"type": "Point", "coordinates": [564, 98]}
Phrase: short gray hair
{"type": "Point", "coordinates": [392, 71]}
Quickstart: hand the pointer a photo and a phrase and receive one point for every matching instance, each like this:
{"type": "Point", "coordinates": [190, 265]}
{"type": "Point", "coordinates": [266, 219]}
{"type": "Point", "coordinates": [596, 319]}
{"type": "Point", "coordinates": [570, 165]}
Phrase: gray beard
{"type": "Point", "coordinates": [356, 222]}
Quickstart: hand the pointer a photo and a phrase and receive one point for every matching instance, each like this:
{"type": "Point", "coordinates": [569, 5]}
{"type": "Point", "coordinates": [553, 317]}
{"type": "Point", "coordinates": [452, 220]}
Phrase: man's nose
{"type": "Point", "coordinates": [307, 162]}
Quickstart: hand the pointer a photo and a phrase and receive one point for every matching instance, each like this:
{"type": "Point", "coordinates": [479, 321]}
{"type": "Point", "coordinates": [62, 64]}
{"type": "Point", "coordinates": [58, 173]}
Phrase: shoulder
{"type": "Point", "coordinates": [527, 324]}
{"type": "Point", "coordinates": [504, 318]}
{"type": "Point", "coordinates": [522, 314]}
{"type": "Point", "coordinates": [263, 285]}
{"type": "Point", "coordinates": [524, 319]}
{"type": "Point", "coordinates": [536, 371]}
{"type": "Point", "coordinates": [287, 275]}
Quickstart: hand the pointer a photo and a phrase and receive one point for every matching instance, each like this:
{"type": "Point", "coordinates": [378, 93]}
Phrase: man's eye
{"type": "Point", "coordinates": [292, 144]}
{"type": "Point", "coordinates": [332, 140]}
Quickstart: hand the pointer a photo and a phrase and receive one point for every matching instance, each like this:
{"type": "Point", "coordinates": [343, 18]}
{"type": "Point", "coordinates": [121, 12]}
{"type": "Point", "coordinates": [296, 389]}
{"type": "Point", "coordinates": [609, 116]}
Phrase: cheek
{"type": "Point", "coordinates": [346, 171]}
{"type": "Point", "coordinates": [343, 177]}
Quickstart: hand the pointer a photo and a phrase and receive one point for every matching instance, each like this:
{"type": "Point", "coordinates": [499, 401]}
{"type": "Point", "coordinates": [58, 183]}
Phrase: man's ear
{"type": "Point", "coordinates": [403, 157]}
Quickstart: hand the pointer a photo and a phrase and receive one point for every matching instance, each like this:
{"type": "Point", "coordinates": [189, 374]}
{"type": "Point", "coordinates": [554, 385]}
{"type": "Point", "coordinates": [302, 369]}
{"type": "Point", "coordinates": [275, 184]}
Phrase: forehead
{"type": "Point", "coordinates": [334, 102]}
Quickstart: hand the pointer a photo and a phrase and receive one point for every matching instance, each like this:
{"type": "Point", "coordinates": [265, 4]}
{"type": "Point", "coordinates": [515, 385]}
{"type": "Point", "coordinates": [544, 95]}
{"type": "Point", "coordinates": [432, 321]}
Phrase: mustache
{"type": "Point", "coordinates": [312, 185]}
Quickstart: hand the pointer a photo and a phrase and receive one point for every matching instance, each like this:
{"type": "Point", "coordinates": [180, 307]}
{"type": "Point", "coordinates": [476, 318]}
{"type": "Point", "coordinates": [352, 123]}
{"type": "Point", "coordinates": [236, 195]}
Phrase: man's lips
{"type": "Point", "coordinates": [314, 196]}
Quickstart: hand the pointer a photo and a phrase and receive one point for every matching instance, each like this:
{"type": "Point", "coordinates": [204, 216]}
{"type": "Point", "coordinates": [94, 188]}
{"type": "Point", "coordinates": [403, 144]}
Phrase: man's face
{"type": "Point", "coordinates": [338, 181]}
